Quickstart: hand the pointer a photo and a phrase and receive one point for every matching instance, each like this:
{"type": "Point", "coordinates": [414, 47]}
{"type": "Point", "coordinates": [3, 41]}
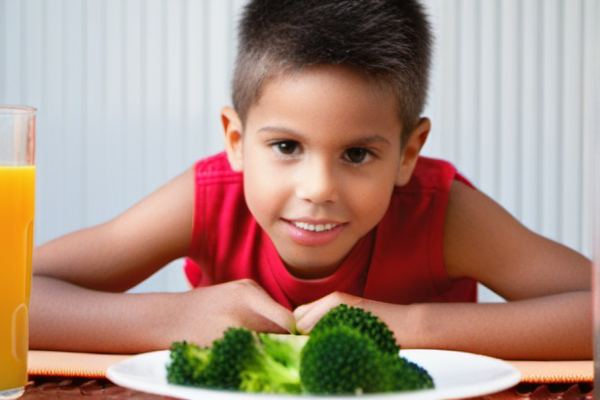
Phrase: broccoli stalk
{"type": "Point", "coordinates": [274, 367]}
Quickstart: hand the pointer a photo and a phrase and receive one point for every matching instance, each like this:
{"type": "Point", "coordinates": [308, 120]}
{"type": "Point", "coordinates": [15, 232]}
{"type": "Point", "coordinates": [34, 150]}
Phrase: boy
{"type": "Point", "coordinates": [320, 198]}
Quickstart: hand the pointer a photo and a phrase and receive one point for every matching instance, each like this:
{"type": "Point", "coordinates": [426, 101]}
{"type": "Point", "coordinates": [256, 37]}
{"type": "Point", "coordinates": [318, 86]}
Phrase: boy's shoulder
{"type": "Point", "coordinates": [216, 167]}
{"type": "Point", "coordinates": [432, 174]}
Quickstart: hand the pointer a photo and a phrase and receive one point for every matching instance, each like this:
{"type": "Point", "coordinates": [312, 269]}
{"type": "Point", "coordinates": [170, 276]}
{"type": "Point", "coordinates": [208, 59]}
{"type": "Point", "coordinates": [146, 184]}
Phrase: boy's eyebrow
{"type": "Point", "coordinates": [364, 140]}
{"type": "Point", "coordinates": [375, 138]}
{"type": "Point", "coordinates": [280, 129]}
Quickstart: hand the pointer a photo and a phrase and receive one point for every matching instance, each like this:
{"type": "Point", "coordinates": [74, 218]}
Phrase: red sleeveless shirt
{"type": "Point", "coordinates": [400, 261]}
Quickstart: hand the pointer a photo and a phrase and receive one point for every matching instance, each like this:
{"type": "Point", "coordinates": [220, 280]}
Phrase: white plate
{"type": "Point", "coordinates": [455, 374]}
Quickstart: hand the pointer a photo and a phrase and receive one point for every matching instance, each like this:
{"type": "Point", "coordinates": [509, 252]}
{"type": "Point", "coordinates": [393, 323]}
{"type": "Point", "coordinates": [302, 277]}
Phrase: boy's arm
{"type": "Point", "coordinates": [548, 313]}
{"type": "Point", "coordinates": [70, 309]}
{"type": "Point", "coordinates": [484, 242]}
{"type": "Point", "coordinates": [77, 302]}
{"type": "Point", "coordinates": [117, 255]}
{"type": "Point", "coordinates": [554, 327]}
{"type": "Point", "coordinates": [71, 318]}
{"type": "Point", "coordinates": [546, 284]}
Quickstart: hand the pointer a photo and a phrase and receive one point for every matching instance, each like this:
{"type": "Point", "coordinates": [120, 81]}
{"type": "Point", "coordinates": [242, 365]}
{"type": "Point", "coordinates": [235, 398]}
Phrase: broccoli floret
{"type": "Point", "coordinates": [187, 360]}
{"type": "Point", "coordinates": [241, 360]}
{"type": "Point", "coordinates": [342, 360]}
{"type": "Point", "coordinates": [410, 376]}
{"type": "Point", "coordinates": [364, 321]}
{"type": "Point", "coordinates": [352, 351]}
{"type": "Point", "coordinates": [218, 366]}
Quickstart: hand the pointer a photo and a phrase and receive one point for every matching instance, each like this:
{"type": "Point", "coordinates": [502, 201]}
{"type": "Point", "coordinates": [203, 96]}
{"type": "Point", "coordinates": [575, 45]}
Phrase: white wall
{"type": "Point", "coordinates": [129, 93]}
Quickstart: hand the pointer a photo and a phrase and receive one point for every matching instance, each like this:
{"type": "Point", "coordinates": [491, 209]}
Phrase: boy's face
{"type": "Point", "coordinates": [320, 154]}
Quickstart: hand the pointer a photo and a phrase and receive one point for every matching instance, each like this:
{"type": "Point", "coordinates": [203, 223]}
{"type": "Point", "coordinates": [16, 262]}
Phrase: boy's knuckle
{"type": "Point", "coordinates": [337, 296]}
{"type": "Point", "coordinates": [246, 282]}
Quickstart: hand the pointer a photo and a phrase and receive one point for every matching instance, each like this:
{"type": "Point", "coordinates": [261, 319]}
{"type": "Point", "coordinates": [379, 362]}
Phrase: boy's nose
{"type": "Point", "coordinates": [316, 183]}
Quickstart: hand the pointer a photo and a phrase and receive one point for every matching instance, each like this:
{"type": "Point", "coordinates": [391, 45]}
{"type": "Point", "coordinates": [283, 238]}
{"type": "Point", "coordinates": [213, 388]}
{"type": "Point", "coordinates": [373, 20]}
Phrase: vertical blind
{"type": "Point", "coordinates": [129, 94]}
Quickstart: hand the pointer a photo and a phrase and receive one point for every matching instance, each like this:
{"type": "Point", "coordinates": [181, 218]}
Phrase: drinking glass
{"type": "Point", "coordinates": [17, 191]}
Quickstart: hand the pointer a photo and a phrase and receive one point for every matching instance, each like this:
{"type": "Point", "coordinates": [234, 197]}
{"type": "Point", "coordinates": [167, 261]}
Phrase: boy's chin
{"type": "Point", "coordinates": [308, 269]}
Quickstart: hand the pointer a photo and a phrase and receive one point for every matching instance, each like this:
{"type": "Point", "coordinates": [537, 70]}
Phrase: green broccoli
{"type": "Point", "coordinates": [409, 376]}
{"type": "Point", "coordinates": [352, 351]}
{"type": "Point", "coordinates": [274, 367]}
{"type": "Point", "coordinates": [240, 360]}
{"type": "Point", "coordinates": [342, 360]}
{"type": "Point", "coordinates": [348, 351]}
{"type": "Point", "coordinates": [217, 367]}
{"type": "Point", "coordinates": [364, 321]}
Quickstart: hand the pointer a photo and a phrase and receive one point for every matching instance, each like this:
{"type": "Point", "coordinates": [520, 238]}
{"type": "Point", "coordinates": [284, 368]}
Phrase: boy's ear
{"type": "Point", "coordinates": [411, 151]}
{"type": "Point", "coordinates": [232, 127]}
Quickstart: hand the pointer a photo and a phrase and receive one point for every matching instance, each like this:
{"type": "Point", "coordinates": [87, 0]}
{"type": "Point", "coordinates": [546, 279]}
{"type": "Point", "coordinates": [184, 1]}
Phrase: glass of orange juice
{"type": "Point", "coordinates": [17, 190]}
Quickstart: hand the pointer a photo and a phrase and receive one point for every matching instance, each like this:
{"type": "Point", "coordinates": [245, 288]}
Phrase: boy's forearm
{"type": "Point", "coordinates": [553, 327]}
{"type": "Point", "coordinates": [66, 317]}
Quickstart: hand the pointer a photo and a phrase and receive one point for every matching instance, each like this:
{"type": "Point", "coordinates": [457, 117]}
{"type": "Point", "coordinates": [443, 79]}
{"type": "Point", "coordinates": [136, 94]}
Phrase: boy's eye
{"type": "Point", "coordinates": [356, 155]}
{"type": "Point", "coordinates": [286, 147]}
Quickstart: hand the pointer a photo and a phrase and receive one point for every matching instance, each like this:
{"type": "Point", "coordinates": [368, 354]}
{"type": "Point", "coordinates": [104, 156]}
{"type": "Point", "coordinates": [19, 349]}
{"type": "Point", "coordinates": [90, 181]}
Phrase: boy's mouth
{"type": "Point", "coordinates": [314, 233]}
{"type": "Point", "coordinates": [314, 227]}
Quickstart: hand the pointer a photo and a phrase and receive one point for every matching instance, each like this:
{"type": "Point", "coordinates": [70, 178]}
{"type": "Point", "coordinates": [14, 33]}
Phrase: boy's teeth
{"type": "Point", "coordinates": [314, 228]}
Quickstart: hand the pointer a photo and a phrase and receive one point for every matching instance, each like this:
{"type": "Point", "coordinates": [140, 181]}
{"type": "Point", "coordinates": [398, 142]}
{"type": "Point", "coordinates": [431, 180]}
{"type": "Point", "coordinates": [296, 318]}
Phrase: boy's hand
{"type": "Point", "coordinates": [309, 314]}
{"type": "Point", "coordinates": [241, 303]}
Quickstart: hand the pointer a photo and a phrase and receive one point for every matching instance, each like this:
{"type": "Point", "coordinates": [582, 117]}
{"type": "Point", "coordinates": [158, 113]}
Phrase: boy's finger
{"type": "Point", "coordinates": [301, 311]}
{"type": "Point", "coordinates": [311, 315]}
{"type": "Point", "coordinates": [328, 301]}
{"type": "Point", "coordinates": [281, 317]}
{"type": "Point", "coordinates": [287, 322]}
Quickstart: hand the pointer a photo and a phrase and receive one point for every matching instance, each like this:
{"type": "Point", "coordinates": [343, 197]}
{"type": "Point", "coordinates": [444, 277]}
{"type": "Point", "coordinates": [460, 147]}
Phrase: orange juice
{"type": "Point", "coordinates": [17, 190]}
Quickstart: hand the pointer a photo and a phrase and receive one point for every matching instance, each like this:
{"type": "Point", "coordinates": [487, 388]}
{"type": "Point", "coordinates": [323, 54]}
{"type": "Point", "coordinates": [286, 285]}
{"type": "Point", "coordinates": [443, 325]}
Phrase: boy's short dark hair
{"type": "Point", "coordinates": [387, 40]}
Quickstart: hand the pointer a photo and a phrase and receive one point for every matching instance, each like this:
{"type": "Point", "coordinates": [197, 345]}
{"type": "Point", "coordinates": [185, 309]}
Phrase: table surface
{"type": "Point", "coordinates": [44, 387]}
